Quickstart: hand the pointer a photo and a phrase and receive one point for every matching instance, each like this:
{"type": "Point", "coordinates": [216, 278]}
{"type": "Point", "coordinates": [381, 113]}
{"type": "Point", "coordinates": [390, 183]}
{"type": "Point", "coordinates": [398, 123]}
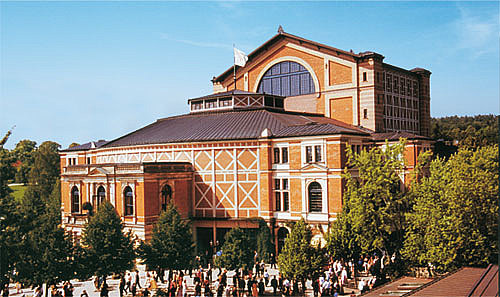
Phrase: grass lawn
{"type": "Point", "coordinates": [18, 191]}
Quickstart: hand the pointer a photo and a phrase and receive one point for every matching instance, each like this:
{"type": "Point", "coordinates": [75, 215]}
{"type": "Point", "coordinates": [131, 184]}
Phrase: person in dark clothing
{"type": "Point", "coordinates": [315, 285]}
{"type": "Point", "coordinates": [273, 261]}
{"type": "Point", "coordinates": [133, 290]}
{"type": "Point", "coordinates": [145, 293]}
{"type": "Point", "coordinates": [274, 284]}
{"type": "Point", "coordinates": [249, 286]}
{"type": "Point", "coordinates": [104, 289]}
{"type": "Point", "coordinates": [122, 285]}
{"type": "Point", "coordinates": [207, 290]}
{"type": "Point", "coordinates": [137, 279]}
{"type": "Point", "coordinates": [262, 287]}
{"type": "Point", "coordinates": [220, 290]}
{"type": "Point", "coordinates": [197, 289]}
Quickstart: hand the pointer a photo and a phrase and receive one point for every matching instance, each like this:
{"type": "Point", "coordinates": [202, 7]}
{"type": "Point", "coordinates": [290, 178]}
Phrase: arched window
{"type": "Point", "coordinates": [101, 195]}
{"type": "Point", "coordinates": [128, 196]}
{"type": "Point", "coordinates": [315, 197]}
{"type": "Point", "coordinates": [287, 79]}
{"type": "Point", "coordinates": [166, 196]}
{"type": "Point", "coordinates": [75, 199]}
{"type": "Point", "coordinates": [282, 235]}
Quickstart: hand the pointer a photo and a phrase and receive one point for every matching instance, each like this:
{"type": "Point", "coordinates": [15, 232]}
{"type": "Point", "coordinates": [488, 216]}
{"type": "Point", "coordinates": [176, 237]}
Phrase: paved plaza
{"type": "Point", "coordinates": [88, 285]}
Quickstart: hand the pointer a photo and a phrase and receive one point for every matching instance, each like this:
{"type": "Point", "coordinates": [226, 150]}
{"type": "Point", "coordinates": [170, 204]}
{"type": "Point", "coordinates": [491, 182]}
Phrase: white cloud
{"type": "Point", "coordinates": [196, 43]}
{"type": "Point", "coordinates": [477, 33]}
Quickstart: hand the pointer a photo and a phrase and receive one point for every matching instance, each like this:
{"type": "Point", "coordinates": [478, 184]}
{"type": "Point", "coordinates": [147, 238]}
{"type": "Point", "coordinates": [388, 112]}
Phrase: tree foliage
{"type": "Point", "coordinates": [263, 240]}
{"type": "Point", "coordinates": [236, 251]}
{"type": "Point", "coordinates": [10, 223]}
{"type": "Point", "coordinates": [23, 154]}
{"type": "Point", "coordinates": [464, 131]}
{"type": "Point", "coordinates": [298, 259]}
{"type": "Point", "coordinates": [375, 203]}
{"type": "Point", "coordinates": [46, 168]}
{"type": "Point", "coordinates": [45, 249]}
{"type": "Point", "coordinates": [454, 221]}
{"type": "Point", "coordinates": [171, 245]}
{"type": "Point", "coordinates": [107, 248]}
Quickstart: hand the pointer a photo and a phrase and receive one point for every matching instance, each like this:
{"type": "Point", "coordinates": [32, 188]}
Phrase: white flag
{"type": "Point", "coordinates": [240, 58]}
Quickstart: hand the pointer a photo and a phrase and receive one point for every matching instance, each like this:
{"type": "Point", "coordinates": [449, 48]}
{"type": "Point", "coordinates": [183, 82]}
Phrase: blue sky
{"type": "Point", "coordinates": [81, 71]}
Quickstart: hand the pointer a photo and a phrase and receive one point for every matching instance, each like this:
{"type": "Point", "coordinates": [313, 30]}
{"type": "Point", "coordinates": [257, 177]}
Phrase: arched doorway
{"type": "Point", "coordinates": [166, 197]}
{"type": "Point", "coordinates": [101, 196]}
{"type": "Point", "coordinates": [282, 235]}
{"type": "Point", "coordinates": [315, 197]}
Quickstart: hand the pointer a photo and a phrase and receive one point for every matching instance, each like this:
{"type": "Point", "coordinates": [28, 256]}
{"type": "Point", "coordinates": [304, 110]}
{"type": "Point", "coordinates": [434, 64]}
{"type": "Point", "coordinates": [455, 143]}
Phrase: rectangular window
{"type": "Point", "coordinates": [284, 155]}
{"type": "Point", "coordinates": [88, 160]}
{"type": "Point", "coordinates": [317, 153]}
{"type": "Point", "coordinates": [309, 154]}
{"type": "Point", "coordinates": [281, 194]}
{"type": "Point", "coordinates": [364, 76]}
{"type": "Point", "coordinates": [276, 155]}
{"type": "Point", "coordinates": [365, 113]}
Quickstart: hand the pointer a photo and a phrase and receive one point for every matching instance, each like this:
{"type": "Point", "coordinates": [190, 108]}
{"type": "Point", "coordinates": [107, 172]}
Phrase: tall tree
{"type": "Point", "coordinates": [455, 217]}
{"type": "Point", "coordinates": [108, 249]}
{"type": "Point", "coordinates": [298, 259]}
{"type": "Point", "coordinates": [171, 246]}
{"type": "Point", "coordinates": [46, 168]}
{"type": "Point", "coordinates": [23, 154]}
{"type": "Point", "coordinates": [236, 251]}
{"type": "Point", "coordinates": [264, 245]}
{"type": "Point", "coordinates": [45, 249]}
{"type": "Point", "coordinates": [375, 202]}
{"type": "Point", "coordinates": [9, 235]}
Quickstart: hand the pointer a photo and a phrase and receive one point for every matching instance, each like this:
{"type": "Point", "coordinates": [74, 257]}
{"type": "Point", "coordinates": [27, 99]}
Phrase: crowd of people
{"type": "Point", "coordinates": [257, 281]}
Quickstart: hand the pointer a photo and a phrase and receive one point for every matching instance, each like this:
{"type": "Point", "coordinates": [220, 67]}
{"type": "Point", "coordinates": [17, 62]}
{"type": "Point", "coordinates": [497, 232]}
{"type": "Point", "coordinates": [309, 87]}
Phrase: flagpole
{"type": "Point", "coordinates": [234, 68]}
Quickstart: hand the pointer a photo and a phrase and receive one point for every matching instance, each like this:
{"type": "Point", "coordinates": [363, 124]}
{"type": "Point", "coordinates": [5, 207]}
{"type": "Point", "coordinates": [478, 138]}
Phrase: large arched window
{"type": "Point", "coordinates": [287, 79]}
{"type": "Point", "coordinates": [75, 199]}
{"type": "Point", "coordinates": [315, 197]}
{"type": "Point", "coordinates": [128, 196]}
{"type": "Point", "coordinates": [101, 195]}
{"type": "Point", "coordinates": [166, 195]}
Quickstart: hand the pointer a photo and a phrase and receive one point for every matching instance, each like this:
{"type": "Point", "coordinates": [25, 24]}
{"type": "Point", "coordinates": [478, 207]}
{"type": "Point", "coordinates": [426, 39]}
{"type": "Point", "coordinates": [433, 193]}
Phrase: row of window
{"type": "Point", "coordinates": [398, 112]}
{"type": "Point", "coordinates": [401, 125]}
{"type": "Point", "coordinates": [128, 199]}
{"type": "Point", "coordinates": [313, 154]}
{"type": "Point", "coordinates": [282, 196]}
{"type": "Point", "coordinates": [400, 101]}
{"type": "Point", "coordinates": [400, 85]}
{"type": "Point", "coordinates": [74, 161]}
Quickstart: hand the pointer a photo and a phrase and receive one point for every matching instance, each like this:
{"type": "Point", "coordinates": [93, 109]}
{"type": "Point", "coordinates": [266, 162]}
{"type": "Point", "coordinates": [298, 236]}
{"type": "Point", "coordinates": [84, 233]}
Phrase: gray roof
{"type": "Point", "coordinates": [234, 125]}
{"type": "Point", "coordinates": [86, 146]}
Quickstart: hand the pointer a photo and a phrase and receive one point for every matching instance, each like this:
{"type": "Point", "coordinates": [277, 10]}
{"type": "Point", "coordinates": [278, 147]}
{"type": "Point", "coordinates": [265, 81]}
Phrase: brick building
{"type": "Point", "coordinates": [273, 147]}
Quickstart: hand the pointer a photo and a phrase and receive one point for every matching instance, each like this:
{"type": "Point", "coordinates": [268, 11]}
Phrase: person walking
{"type": "Point", "coordinates": [137, 279]}
{"type": "Point", "coordinates": [122, 285]}
{"type": "Point", "coordinates": [274, 284]}
{"type": "Point", "coordinates": [104, 289]}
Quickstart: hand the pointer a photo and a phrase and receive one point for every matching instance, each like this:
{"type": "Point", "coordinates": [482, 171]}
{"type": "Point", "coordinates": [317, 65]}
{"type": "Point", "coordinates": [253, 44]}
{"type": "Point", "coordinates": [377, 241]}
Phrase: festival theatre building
{"type": "Point", "coordinates": [272, 147]}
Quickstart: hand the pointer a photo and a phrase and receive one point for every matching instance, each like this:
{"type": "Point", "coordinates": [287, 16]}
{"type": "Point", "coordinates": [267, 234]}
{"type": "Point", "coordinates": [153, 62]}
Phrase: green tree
{"type": "Point", "coordinates": [342, 241]}
{"type": "Point", "coordinates": [236, 251]}
{"type": "Point", "coordinates": [23, 154]}
{"type": "Point", "coordinates": [45, 249]}
{"type": "Point", "coordinates": [9, 235]}
{"type": "Point", "coordinates": [298, 259]}
{"type": "Point", "coordinates": [108, 249]}
{"type": "Point", "coordinates": [454, 221]}
{"type": "Point", "coordinates": [46, 168]}
{"type": "Point", "coordinates": [171, 246]}
{"type": "Point", "coordinates": [375, 201]}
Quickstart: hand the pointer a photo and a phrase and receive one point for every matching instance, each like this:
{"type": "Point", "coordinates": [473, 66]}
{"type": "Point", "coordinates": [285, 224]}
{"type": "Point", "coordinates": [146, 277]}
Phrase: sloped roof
{"type": "Point", "coordinates": [234, 125]}
{"type": "Point", "coordinates": [86, 146]}
{"type": "Point", "coordinates": [280, 35]}
{"type": "Point", "coordinates": [396, 135]}
{"type": "Point", "coordinates": [458, 283]}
